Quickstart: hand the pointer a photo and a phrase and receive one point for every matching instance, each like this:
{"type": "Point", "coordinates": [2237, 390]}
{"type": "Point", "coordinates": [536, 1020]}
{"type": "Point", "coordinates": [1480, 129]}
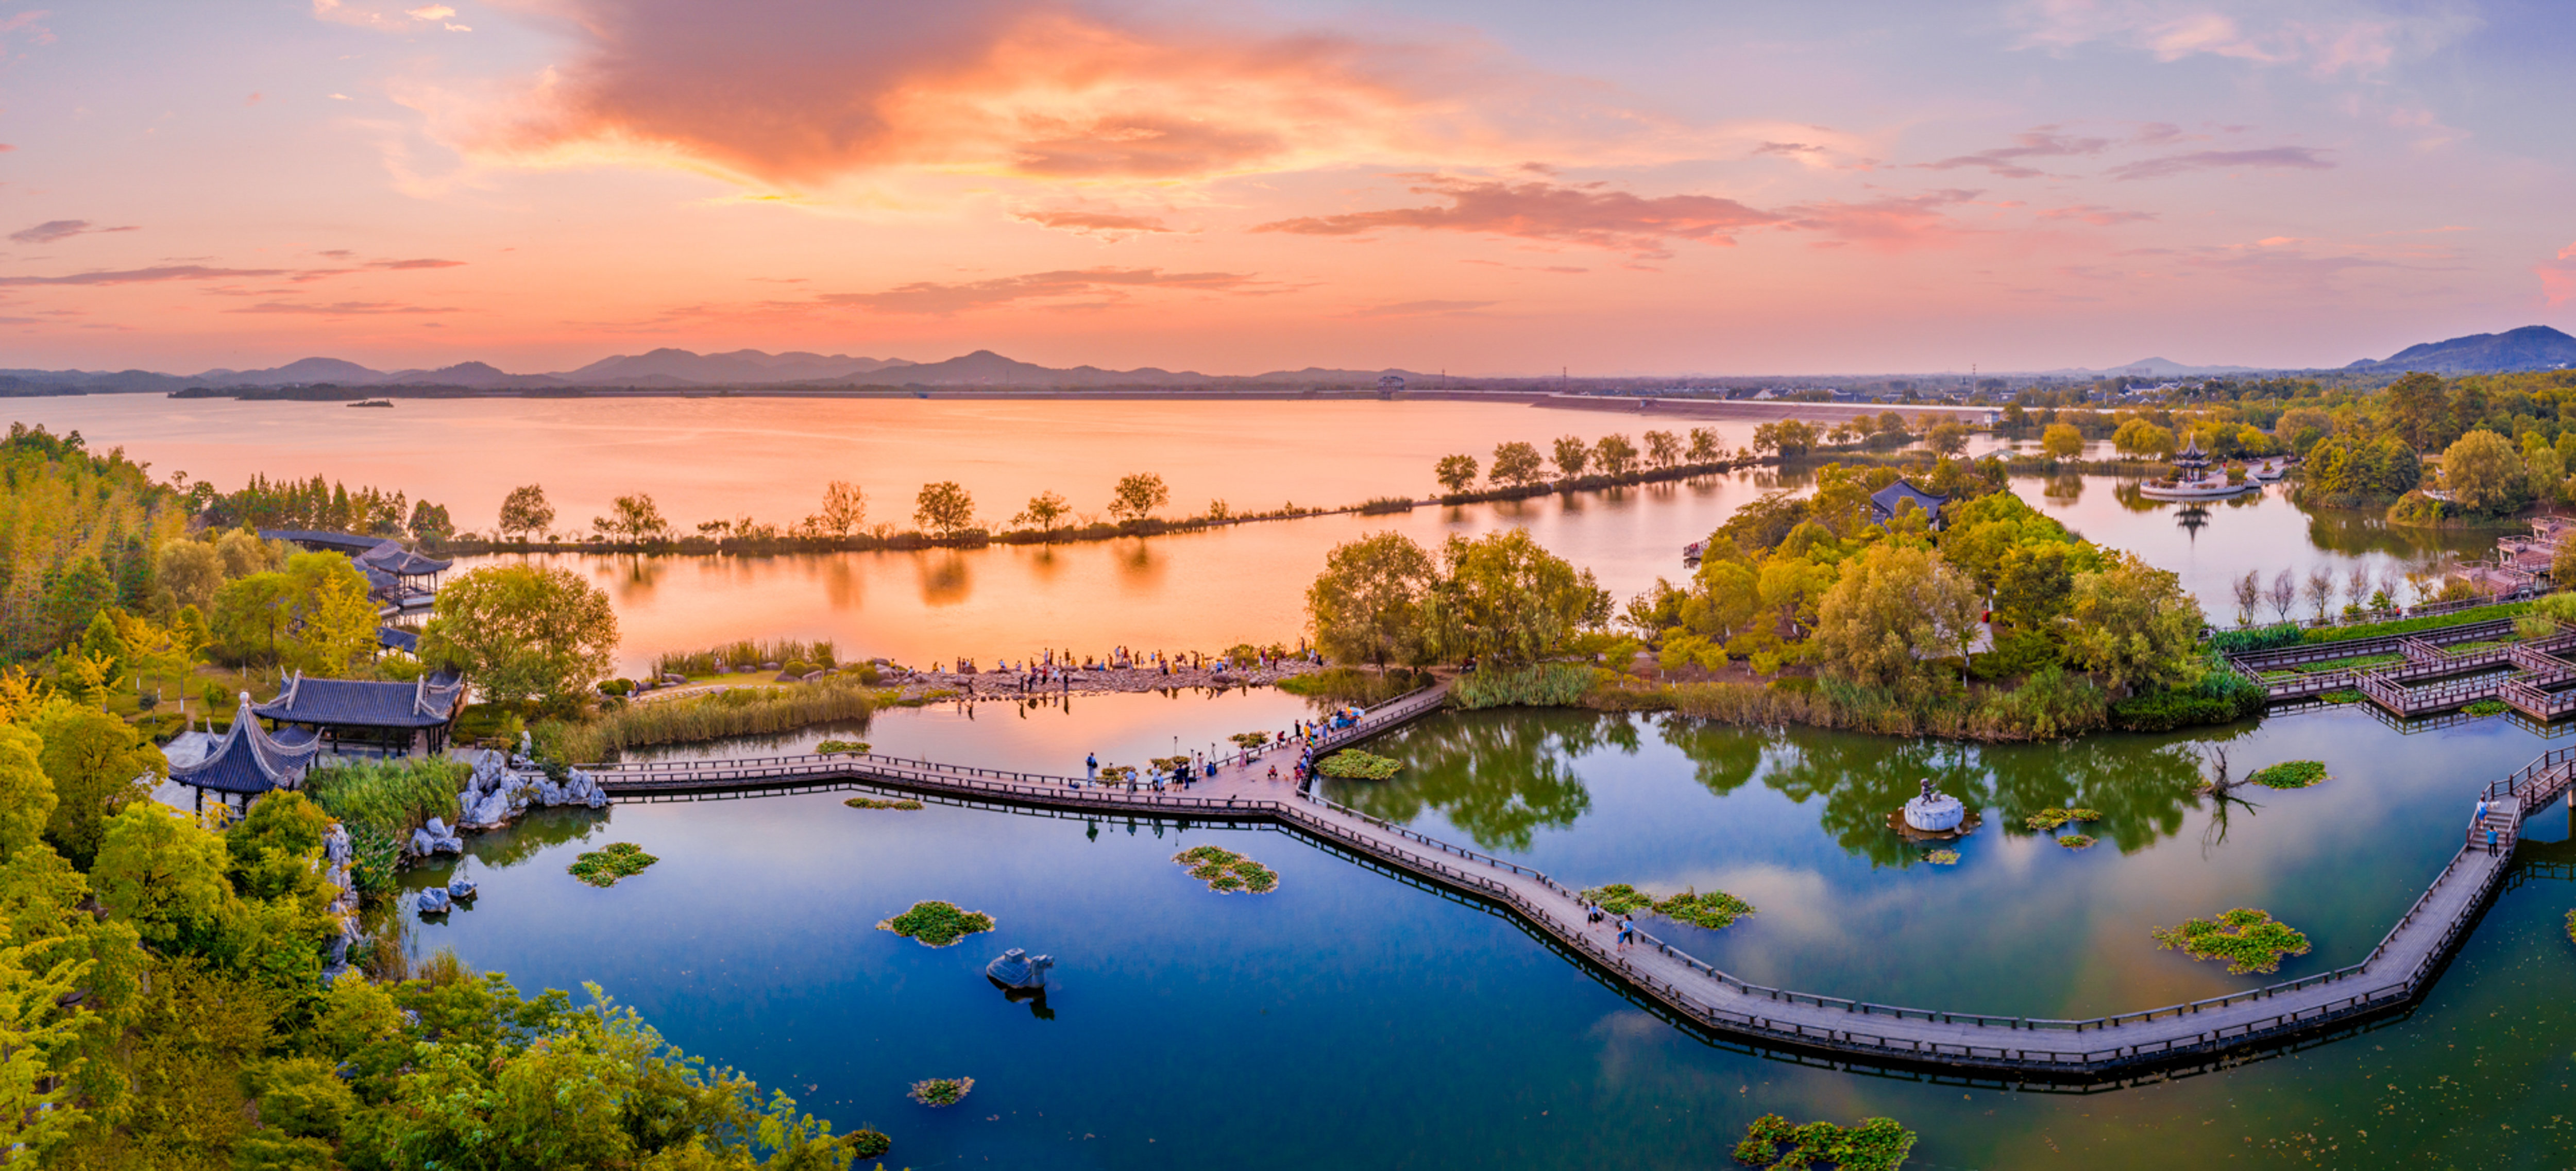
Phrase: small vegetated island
{"type": "Point", "coordinates": [2249, 940]}
{"type": "Point", "coordinates": [937, 924]}
{"type": "Point", "coordinates": [882, 803]}
{"type": "Point", "coordinates": [1715, 910]}
{"type": "Point", "coordinates": [2050, 819]}
{"type": "Point", "coordinates": [1877, 1144]}
{"type": "Point", "coordinates": [1351, 764]}
{"type": "Point", "coordinates": [1227, 872]}
{"type": "Point", "coordinates": [604, 866]}
{"type": "Point", "coordinates": [941, 1091]}
{"type": "Point", "coordinates": [2290, 774]}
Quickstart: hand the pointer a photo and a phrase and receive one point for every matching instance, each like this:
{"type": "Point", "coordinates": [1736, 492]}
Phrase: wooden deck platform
{"type": "Point", "coordinates": [2393, 976]}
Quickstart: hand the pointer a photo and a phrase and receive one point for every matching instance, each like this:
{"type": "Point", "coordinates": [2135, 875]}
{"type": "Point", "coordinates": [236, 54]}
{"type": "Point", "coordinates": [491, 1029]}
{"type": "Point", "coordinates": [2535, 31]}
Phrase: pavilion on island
{"type": "Point", "coordinates": [245, 762]}
{"type": "Point", "coordinates": [2191, 464]}
{"type": "Point", "coordinates": [396, 576]}
{"type": "Point", "coordinates": [360, 716]}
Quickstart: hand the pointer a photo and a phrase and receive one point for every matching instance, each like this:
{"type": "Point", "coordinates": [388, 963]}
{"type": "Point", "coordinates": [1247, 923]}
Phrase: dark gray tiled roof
{"type": "Point", "coordinates": [251, 760]}
{"type": "Point", "coordinates": [368, 552]}
{"type": "Point", "coordinates": [395, 638]}
{"type": "Point", "coordinates": [424, 703]}
{"type": "Point", "coordinates": [1883, 503]}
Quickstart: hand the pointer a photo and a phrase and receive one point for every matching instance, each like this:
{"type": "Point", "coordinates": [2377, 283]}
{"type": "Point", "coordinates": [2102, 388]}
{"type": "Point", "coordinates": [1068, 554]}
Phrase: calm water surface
{"type": "Point", "coordinates": [1352, 1019]}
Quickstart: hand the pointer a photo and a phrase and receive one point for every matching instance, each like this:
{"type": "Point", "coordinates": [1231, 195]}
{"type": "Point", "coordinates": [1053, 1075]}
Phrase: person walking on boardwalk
{"type": "Point", "coordinates": [1627, 932]}
{"type": "Point", "coordinates": [2491, 840]}
{"type": "Point", "coordinates": [1091, 766]}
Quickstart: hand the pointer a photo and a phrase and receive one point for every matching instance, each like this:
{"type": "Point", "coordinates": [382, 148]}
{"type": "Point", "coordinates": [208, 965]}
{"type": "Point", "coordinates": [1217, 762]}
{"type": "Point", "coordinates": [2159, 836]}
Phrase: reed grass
{"type": "Point", "coordinates": [748, 652]}
{"type": "Point", "coordinates": [389, 797]}
{"type": "Point", "coordinates": [735, 711]}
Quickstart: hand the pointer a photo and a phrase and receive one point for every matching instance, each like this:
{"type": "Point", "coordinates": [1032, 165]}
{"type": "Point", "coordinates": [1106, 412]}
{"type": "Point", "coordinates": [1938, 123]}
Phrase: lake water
{"type": "Point", "coordinates": [1353, 1019]}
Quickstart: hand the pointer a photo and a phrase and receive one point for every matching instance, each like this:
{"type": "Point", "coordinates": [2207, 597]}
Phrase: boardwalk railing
{"type": "Point", "coordinates": [2418, 944]}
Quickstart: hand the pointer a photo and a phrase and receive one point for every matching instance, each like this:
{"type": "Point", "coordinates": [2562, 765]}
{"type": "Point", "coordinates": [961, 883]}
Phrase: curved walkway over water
{"type": "Point", "coordinates": [2395, 974]}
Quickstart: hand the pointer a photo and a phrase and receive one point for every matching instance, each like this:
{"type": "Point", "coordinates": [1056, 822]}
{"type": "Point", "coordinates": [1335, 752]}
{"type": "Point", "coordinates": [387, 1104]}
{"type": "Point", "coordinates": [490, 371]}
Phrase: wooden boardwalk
{"type": "Point", "coordinates": [2393, 976]}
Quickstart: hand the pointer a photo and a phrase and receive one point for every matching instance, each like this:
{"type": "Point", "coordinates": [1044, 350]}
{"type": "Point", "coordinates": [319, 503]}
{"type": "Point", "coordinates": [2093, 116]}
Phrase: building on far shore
{"type": "Point", "coordinates": [396, 577]}
{"type": "Point", "coordinates": [2520, 565]}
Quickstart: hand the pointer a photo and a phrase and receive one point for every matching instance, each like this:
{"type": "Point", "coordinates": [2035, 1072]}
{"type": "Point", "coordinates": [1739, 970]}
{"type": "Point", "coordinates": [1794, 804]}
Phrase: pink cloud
{"type": "Point", "coordinates": [1051, 289]}
{"type": "Point", "coordinates": [2040, 142]}
{"type": "Point", "coordinates": [2095, 214]}
{"type": "Point", "coordinates": [2558, 277]}
{"type": "Point", "coordinates": [1891, 224]}
{"type": "Point", "coordinates": [2291, 157]}
{"type": "Point", "coordinates": [1583, 214]}
{"type": "Point", "coordinates": [52, 230]}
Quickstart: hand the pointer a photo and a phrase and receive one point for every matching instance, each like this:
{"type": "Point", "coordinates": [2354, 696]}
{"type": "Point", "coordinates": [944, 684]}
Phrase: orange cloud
{"type": "Point", "coordinates": [1101, 223]}
{"type": "Point", "coordinates": [1050, 289]}
{"type": "Point", "coordinates": [1586, 214]}
{"type": "Point", "coordinates": [1891, 224]}
{"type": "Point", "coordinates": [794, 93]}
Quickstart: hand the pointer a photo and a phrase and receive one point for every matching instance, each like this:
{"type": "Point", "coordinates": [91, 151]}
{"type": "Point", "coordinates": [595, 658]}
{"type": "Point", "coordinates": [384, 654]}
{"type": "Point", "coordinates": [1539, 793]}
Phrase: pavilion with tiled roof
{"type": "Point", "coordinates": [246, 761]}
{"type": "Point", "coordinates": [392, 717]}
{"type": "Point", "coordinates": [1884, 503]}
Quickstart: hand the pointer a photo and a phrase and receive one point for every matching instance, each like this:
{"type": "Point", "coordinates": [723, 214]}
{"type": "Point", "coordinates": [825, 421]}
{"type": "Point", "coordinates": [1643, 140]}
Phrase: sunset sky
{"type": "Point", "coordinates": [1646, 187]}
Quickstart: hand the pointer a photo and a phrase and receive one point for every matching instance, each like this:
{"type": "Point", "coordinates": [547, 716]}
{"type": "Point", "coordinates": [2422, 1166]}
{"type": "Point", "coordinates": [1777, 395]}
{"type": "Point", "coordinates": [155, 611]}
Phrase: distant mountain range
{"type": "Point", "coordinates": [671, 368]}
{"type": "Point", "coordinates": [2532, 347]}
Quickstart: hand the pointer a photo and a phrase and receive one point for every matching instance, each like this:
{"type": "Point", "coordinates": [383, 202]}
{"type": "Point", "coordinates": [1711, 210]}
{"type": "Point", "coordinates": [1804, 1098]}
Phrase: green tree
{"type": "Point", "coordinates": [2420, 410]}
{"type": "Point", "coordinates": [1892, 610]}
{"type": "Point", "coordinates": [1502, 598]}
{"type": "Point", "coordinates": [26, 793]}
{"type": "Point", "coordinates": [160, 871]}
{"type": "Point", "coordinates": [1948, 438]}
{"type": "Point", "coordinates": [1045, 511]}
{"type": "Point", "coordinates": [98, 764]}
{"type": "Point", "coordinates": [525, 632]}
{"type": "Point", "coordinates": [430, 523]}
{"type": "Point", "coordinates": [1572, 456]}
{"type": "Point", "coordinates": [2061, 441]}
{"type": "Point", "coordinates": [2300, 428]}
{"type": "Point", "coordinates": [944, 509]}
{"type": "Point", "coordinates": [1456, 473]}
{"type": "Point", "coordinates": [77, 597]}
{"type": "Point", "coordinates": [335, 619]}
{"type": "Point", "coordinates": [633, 518]}
{"type": "Point", "coordinates": [844, 510]}
{"type": "Point", "coordinates": [192, 571]}
{"type": "Point", "coordinates": [525, 513]}
{"type": "Point", "coordinates": [1703, 446]}
{"type": "Point", "coordinates": [1616, 455]}
{"type": "Point", "coordinates": [103, 641]}
{"type": "Point", "coordinates": [244, 553]}
{"type": "Point", "coordinates": [2485, 474]}
{"type": "Point", "coordinates": [1516, 465]}
{"type": "Point", "coordinates": [1663, 449]}
{"type": "Point", "coordinates": [2133, 627]}
{"type": "Point", "coordinates": [1137, 496]}
{"type": "Point", "coordinates": [251, 617]}
{"type": "Point", "coordinates": [2140, 439]}
{"type": "Point", "coordinates": [1365, 607]}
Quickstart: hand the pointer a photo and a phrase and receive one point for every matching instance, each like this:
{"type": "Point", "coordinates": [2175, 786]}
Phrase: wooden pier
{"type": "Point", "coordinates": [2017, 1049]}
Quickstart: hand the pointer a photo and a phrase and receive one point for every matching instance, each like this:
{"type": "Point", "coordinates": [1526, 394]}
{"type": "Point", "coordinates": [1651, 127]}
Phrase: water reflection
{"type": "Point", "coordinates": [945, 580]}
{"type": "Point", "coordinates": [1498, 779]}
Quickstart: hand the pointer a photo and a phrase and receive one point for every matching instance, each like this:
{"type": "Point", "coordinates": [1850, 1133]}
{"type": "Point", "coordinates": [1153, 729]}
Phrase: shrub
{"type": "Point", "coordinates": [738, 711]}
{"type": "Point", "coordinates": [2260, 638]}
{"type": "Point", "coordinates": [1385, 504]}
{"type": "Point", "coordinates": [867, 1144]}
{"type": "Point", "coordinates": [389, 798]}
{"type": "Point", "coordinates": [2220, 697]}
{"type": "Point", "coordinates": [1538, 685]}
{"type": "Point", "coordinates": [799, 668]}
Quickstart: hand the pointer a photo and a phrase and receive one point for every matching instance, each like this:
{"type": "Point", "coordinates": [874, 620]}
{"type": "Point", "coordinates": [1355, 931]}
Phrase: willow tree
{"type": "Point", "coordinates": [1366, 607]}
{"type": "Point", "coordinates": [524, 632]}
{"type": "Point", "coordinates": [1503, 598]}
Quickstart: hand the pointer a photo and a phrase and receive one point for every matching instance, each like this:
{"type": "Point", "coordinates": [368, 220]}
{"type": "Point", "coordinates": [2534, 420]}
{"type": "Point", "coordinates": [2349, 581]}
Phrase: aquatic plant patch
{"type": "Point", "coordinates": [1355, 765]}
{"type": "Point", "coordinates": [1227, 872]}
{"type": "Point", "coordinates": [1619, 898]}
{"type": "Point", "coordinates": [840, 748]}
{"type": "Point", "coordinates": [2048, 819]}
{"type": "Point", "coordinates": [937, 924]}
{"type": "Point", "coordinates": [1250, 740]}
{"type": "Point", "coordinates": [1877, 1144]}
{"type": "Point", "coordinates": [2345, 696]}
{"type": "Point", "coordinates": [941, 1091]}
{"type": "Point", "coordinates": [2290, 774]}
{"type": "Point", "coordinates": [2487, 707]}
{"type": "Point", "coordinates": [865, 1143]}
{"type": "Point", "coordinates": [616, 860]}
{"type": "Point", "coordinates": [2076, 841]}
{"type": "Point", "coordinates": [1941, 857]}
{"type": "Point", "coordinates": [881, 803]}
{"type": "Point", "coordinates": [1715, 910]}
{"type": "Point", "coordinates": [2249, 940]}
